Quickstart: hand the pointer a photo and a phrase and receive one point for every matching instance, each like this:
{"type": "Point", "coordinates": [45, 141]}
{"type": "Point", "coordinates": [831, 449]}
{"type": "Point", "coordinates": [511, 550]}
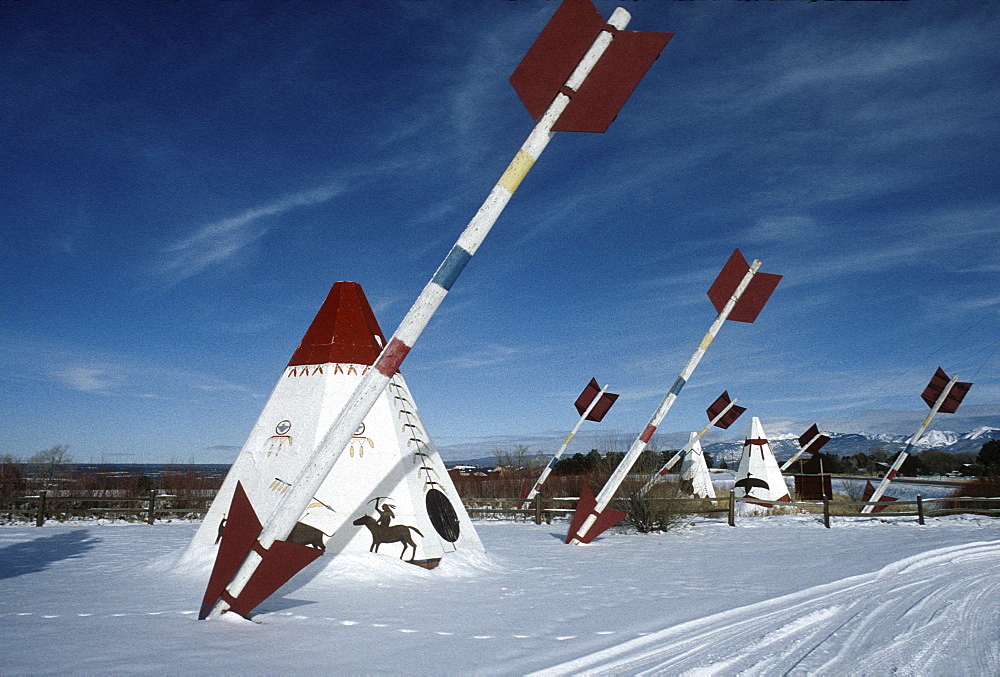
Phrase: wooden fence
{"type": "Point", "coordinates": [147, 508]}
{"type": "Point", "coordinates": [155, 506]}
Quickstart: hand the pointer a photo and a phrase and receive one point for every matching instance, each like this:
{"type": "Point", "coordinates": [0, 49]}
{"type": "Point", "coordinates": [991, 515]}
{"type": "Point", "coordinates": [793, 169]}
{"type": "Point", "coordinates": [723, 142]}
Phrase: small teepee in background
{"type": "Point", "coordinates": [694, 471]}
{"type": "Point", "coordinates": [758, 475]}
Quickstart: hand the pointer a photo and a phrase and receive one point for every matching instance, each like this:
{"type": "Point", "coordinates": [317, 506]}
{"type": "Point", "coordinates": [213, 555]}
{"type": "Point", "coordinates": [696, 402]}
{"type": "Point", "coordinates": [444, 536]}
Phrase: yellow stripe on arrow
{"type": "Point", "coordinates": [516, 171]}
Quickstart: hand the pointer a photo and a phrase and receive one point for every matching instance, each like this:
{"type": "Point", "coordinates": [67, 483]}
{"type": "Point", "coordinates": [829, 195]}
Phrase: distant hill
{"type": "Point", "coordinates": [848, 444]}
{"type": "Point", "coordinates": [840, 444]}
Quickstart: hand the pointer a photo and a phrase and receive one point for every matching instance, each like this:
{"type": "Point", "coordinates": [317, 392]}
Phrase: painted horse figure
{"type": "Point", "coordinates": [399, 533]}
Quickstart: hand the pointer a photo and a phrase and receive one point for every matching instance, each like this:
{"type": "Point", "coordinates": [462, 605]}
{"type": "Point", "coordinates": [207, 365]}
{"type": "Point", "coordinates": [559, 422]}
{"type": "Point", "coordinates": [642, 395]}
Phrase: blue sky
{"type": "Point", "coordinates": [183, 181]}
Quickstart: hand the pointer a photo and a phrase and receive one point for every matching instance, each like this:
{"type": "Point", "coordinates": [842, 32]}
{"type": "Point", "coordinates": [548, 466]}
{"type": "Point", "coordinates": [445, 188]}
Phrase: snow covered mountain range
{"type": "Point", "coordinates": [848, 444]}
{"type": "Point", "coordinates": [961, 432]}
{"type": "Point", "coordinates": [784, 445]}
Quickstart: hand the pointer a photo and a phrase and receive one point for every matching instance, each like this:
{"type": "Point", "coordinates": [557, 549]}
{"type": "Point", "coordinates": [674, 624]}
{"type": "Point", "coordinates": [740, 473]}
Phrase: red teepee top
{"type": "Point", "coordinates": [344, 330]}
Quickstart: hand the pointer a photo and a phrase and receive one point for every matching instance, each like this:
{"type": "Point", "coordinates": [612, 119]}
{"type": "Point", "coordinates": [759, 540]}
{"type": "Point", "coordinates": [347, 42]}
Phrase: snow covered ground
{"type": "Point", "coordinates": [771, 596]}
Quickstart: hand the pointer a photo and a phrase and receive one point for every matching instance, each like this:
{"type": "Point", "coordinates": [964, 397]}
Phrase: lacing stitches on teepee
{"type": "Point", "coordinates": [415, 437]}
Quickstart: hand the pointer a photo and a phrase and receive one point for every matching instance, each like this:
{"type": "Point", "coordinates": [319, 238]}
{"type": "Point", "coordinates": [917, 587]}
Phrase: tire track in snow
{"type": "Point", "coordinates": [913, 616]}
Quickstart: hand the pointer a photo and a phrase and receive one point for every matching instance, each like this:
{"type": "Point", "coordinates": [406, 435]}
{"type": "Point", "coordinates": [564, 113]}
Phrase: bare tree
{"type": "Point", "coordinates": [49, 463]}
{"type": "Point", "coordinates": [517, 459]}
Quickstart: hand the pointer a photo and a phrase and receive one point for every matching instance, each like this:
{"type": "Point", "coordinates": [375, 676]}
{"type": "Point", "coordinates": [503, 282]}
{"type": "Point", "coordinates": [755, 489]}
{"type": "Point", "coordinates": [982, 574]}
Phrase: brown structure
{"type": "Point", "coordinates": [811, 483]}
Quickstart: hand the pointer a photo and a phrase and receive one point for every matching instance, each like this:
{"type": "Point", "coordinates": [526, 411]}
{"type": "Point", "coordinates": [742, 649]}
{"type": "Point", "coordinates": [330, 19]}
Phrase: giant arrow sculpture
{"type": "Point", "coordinates": [722, 413]}
{"type": "Point", "coordinates": [592, 405]}
{"type": "Point", "coordinates": [738, 293]}
{"type": "Point", "coordinates": [941, 394]}
{"type": "Point", "coordinates": [575, 77]}
{"type": "Point", "coordinates": [810, 442]}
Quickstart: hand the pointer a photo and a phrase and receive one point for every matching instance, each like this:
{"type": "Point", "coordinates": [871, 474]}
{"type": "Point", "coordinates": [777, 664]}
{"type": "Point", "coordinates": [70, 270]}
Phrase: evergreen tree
{"type": "Point", "coordinates": [988, 459]}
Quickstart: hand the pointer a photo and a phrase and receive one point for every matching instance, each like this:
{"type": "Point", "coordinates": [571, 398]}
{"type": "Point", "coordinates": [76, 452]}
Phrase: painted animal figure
{"type": "Point", "coordinates": [748, 484]}
{"type": "Point", "coordinates": [304, 534]}
{"type": "Point", "coordinates": [399, 533]}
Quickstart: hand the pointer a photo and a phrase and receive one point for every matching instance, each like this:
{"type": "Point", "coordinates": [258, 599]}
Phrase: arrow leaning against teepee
{"type": "Point", "coordinates": [722, 413]}
{"type": "Point", "coordinates": [575, 77]}
{"type": "Point", "coordinates": [391, 455]}
{"type": "Point", "coordinates": [738, 293]}
{"type": "Point", "coordinates": [941, 394]}
{"type": "Point", "coordinates": [592, 404]}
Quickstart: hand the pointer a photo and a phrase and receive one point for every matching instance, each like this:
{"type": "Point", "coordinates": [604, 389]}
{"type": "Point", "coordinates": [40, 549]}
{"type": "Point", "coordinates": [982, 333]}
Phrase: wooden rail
{"type": "Point", "coordinates": [148, 508]}
{"type": "Point", "coordinates": [921, 508]}
{"type": "Point", "coordinates": [45, 506]}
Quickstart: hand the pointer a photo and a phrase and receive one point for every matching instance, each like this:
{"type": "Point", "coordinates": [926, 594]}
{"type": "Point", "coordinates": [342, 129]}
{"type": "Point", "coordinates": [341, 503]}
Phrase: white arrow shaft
{"type": "Point", "coordinates": [618, 476]}
{"type": "Point", "coordinates": [555, 459]}
{"type": "Point", "coordinates": [793, 459]}
{"type": "Point", "coordinates": [288, 511]}
{"type": "Point", "coordinates": [801, 451]}
{"type": "Point", "coordinates": [898, 463]}
{"type": "Point", "coordinates": [685, 449]}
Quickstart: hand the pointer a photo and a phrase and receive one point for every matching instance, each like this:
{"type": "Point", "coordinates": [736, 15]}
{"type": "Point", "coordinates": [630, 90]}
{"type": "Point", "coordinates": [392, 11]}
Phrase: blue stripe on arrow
{"type": "Point", "coordinates": [678, 384]}
{"type": "Point", "coordinates": [451, 267]}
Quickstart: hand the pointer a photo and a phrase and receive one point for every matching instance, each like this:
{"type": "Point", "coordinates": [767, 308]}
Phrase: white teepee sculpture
{"type": "Point", "coordinates": [390, 489]}
{"type": "Point", "coordinates": [694, 469]}
{"type": "Point", "coordinates": [758, 475]}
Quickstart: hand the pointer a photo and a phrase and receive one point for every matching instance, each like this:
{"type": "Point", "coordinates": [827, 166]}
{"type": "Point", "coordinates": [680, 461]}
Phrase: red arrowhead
{"type": "Point", "coordinates": [605, 520]}
{"type": "Point", "coordinates": [280, 562]}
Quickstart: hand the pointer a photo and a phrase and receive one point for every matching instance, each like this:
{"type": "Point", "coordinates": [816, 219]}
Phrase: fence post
{"type": "Point", "coordinates": [40, 516]}
{"type": "Point", "coordinates": [732, 508]}
{"type": "Point", "coordinates": [920, 509]}
{"type": "Point", "coordinates": [826, 512]}
{"type": "Point", "coordinates": [152, 506]}
{"type": "Point", "coordinates": [538, 508]}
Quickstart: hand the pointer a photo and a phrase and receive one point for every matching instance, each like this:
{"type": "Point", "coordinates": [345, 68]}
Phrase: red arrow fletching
{"type": "Point", "coordinates": [584, 508]}
{"type": "Point", "coordinates": [615, 76]}
{"type": "Point", "coordinates": [754, 297]}
{"type": "Point", "coordinates": [812, 441]}
{"type": "Point", "coordinates": [934, 389]}
{"type": "Point", "coordinates": [240, 533]}
{"type": "Point", "coordinates": [720, 404]}
{"type": "Point", "coordinates": [279, 563]}
{"type": "Point", "coordinates": [559, 48]}
{"type": "Point", "coordinates": [588, 395]}
{"type": "Point", "coordinates": [555, 53]}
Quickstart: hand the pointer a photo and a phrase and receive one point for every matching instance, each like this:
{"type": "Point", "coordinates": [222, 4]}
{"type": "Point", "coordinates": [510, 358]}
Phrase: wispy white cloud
{"type": "Point", "coordinates": [943, 239]}
{"type": "Point", "coordinates": [102, 373]}
{"type": "Point", "coordinates": [486, 356]}
{"type": "Point", "coordinates": [790, 228]}
{"type": "Point", "coordinates": [961, 306]}
{"type": "Point", "coordinates": [221, 240]}
{"type": "Point", "coordinates": [869, 62]}
{"type": "Point", "coordinates": [85, 379]}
